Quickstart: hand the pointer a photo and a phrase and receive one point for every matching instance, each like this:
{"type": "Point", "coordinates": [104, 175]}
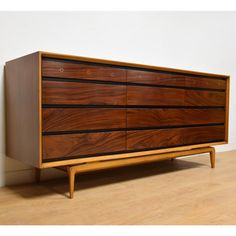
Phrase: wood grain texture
{"type": "Point", "coordinates": [148, 139]}
{"type": "Point", "coordinates": [171, 79]}
{"type": "Point", "coordinates": [203, 134]}
{"type": "Point", "coordinates": [68, 119]}
{"type": "Point", "coordinates": [144, 139]}
{"type": "Point", "coordinates": [55, 92]}
{"type": "Point", "coordinates": [155, 78]}
{"type": "Point", "coordinates": [22, 109]}
{"type": "Point", "coordinates": [142, 95]}
{"type": "Point", "coordinates": [71, 145]}
{"type": "Point", "coordinates": [203, 82]}
{"type": "Point", "coordinates": [169, 117]}
{"type": "Point", "coordinates": [68, 69]}
{"type": "Point", "coordinates": [204, 98]}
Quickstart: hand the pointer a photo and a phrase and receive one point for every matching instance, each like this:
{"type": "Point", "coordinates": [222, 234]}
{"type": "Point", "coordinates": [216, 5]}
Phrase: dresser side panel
{"type": "Point", "coordinates": [23, 109]}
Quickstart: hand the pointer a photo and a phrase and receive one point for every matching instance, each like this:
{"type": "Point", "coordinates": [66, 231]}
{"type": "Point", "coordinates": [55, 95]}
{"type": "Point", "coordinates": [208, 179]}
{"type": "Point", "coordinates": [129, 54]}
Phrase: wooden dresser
{"type": "Point", "coordinates": [85, 114]}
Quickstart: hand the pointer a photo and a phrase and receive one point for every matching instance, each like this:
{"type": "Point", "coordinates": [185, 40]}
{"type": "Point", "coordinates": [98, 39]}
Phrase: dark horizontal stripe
{"type": "Point", "coordinates": [122, 152]}
{"type": "Point", "coordinates": [81, 80]}
{"type": "Point", "coordinates": [133, 68]}
{"type": "Point", "coordinates": [129, 129]}
{"type": "Point", "coordinates": [128, 106]}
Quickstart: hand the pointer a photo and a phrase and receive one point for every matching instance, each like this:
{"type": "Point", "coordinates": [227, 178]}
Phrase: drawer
{"type": "Point", "coordinates": [204, 134]}
{"type": "Point", "coordinates": [76, 145]}
{"type": "Point", "coordinates": [162, 138]}
{"type": "Point", "coordinates": [170, 117]}
{"type": "Point", "coordinates": [172, 79]}
{"type": "Point", "coordinates": [204, 98]}
{"type": "Point", "coordinates": [73, 70]}
{"type": "Point", "coordinates": [151, 139]}
{"type": "Point", "coordinates": [202, 82]}
{"type": "Point", "coordinates": [54, 92]}
{"type": "Point", "coordinates": [153, 96]}
{"type": "Point", "coordinates": [69, 119]}
{"type": "Point", "coordinates": [155, 78]}
{"type": "Point", "coordinates": [143, 95]}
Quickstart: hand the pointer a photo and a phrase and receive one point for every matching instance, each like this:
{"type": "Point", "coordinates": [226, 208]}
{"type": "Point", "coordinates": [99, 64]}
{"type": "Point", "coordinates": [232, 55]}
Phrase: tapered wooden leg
{"type": "Point", "coordinates": [71, 175]}
{"type": "Point", "coordinates": [212, 157]}
{"type": "Point", "coordinates": [37, 175]}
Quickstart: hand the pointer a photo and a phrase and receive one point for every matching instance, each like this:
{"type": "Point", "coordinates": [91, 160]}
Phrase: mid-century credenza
{"type": "Point", "coordinates": [83, 114]}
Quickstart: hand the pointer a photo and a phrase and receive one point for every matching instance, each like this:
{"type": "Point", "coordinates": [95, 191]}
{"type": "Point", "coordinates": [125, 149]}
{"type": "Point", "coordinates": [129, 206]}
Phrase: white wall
{"type": "Point", "coordinates": [200, 41]}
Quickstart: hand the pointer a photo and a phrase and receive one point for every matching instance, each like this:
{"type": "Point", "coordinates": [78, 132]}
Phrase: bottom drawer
{"type": "Point", "coordinates": [204, 134]}
{"type": "Point", "coordinates": [75, 145]}
{"type": "Point", "coordinates": [151, 139]}
{"type": "Point", "coordinates": [99, 143]}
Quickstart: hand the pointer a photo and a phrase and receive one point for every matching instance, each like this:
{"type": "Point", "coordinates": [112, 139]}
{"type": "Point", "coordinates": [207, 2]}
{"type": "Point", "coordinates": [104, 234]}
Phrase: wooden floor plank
{"type": "Point", "coordinates": [183, 191]}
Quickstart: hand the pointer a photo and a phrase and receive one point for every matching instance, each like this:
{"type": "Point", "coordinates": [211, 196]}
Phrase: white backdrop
{"type": "Point", "coordinates": [201, 41]}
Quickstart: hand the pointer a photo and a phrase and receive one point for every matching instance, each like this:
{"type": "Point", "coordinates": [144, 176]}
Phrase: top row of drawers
{"type": "Point", "coordinates": [73, 70]}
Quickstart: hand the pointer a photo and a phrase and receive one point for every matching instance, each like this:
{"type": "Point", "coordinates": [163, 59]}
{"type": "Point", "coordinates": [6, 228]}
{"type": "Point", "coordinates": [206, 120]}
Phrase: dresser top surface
{"type": "Point", "coordinates": [127, 64]}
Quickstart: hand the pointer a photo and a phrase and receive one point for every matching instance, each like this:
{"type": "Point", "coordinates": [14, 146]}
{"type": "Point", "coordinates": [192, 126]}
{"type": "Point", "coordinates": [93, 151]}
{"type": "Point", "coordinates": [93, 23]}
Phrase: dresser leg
{"type": "Point", "coordinates": [71, 175]}
{"type": "Point", "coordinates": [212, 157]}
{"type": "Point", "coordinates": [37, 175]}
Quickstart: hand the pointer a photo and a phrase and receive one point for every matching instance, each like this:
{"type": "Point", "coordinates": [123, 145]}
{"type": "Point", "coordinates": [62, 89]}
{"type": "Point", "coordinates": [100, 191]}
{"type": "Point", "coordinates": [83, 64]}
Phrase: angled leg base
{"type": "Point", "coordinates": [212, 157]}
{"type": "Point", "coordinates": [71, 174]}
{"type": "Point", "coordinates": [99, 165]}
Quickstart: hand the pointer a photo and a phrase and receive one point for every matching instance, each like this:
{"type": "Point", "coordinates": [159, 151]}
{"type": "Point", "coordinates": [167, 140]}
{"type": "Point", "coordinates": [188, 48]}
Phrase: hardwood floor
{"type": "Point", "coordinates": [183, 191]}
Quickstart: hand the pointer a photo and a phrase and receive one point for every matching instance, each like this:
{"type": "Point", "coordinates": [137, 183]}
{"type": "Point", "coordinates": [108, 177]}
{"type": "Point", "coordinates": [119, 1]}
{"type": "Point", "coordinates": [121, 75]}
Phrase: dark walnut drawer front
{"type": "Point", "coordinates": [75, 70]}
{"type": "Point", "coordinates": [142, 95]}
{"type": "Point", "coordinates": [151, 139]}
{"type": "Point", "coordinates": [58, 92]}
{"type": "Point", "coordinates": [74, 119]}
{"type": "Point", "coordinates": [154, 96]}
{"type": "Point", "coordinates": [204, 98]}
{"type": "Point", "coordinates": [201, 82]}
{"type": "Point", "coordinates": [204, 134]}
{"type": "Point", "coordinates": [172, 79]}
{"type": "Point", "coordinates": [91, 109]}
{"type": "Point", "coordinates": [171, 117]}
{"type": "Point", "coordinates": [77, 145]}
{"type": "Point", "coordinates": [161, 138]}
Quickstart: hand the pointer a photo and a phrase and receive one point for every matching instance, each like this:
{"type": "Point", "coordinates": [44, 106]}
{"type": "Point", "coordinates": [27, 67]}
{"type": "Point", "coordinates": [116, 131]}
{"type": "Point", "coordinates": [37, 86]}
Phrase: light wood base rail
{"type": "Point", "coordinates": [100, 165]}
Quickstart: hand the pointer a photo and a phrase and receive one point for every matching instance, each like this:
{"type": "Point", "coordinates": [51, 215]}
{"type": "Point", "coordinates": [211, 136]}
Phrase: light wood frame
{"type": "Point", "coordinates": [100, 165]}
{"type": "Point", "coordinates": [72, 170]}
